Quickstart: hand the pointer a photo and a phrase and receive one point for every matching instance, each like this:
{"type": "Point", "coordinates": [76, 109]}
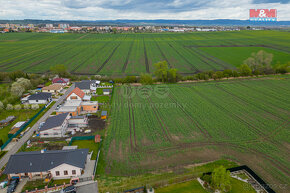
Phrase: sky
{"type": "Point", "coordinates": [138, 9]}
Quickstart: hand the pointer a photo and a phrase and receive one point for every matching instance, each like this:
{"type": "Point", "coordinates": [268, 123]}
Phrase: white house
{"type": "Point", "coordinates": [39, 98]}
{"type": "Point", "coordinates": [88, 86]}
{"type": "Point", "coordinates": [76, 94]}
{"type": "Point", "coordinates": [55, 126]}
{"type": "Point", "coordinates": [59, 164]}
{"type": "Point", "coordinates": [106, 91]}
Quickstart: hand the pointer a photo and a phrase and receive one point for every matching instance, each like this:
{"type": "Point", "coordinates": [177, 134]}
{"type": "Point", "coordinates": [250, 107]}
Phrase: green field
{"type": "Point", "coordinates": [243, 120]}
{"type": "Point", "coordinates": [132, 54]}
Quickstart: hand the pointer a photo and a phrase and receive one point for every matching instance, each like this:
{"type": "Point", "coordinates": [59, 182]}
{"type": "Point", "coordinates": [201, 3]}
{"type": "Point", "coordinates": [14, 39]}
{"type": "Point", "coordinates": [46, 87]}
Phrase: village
{"type": "Point", "coordinates": [63, 146]}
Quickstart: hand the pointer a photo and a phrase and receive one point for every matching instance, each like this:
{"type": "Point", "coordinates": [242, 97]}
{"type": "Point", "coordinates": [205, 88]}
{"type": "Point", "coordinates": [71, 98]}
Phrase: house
{"type": "Point", "coordinates": [106, 91]}
{"type": "Point", "coordinates": [16, 128]}
{"type": "Point", "coordinates": [59, 164]}
{"type": "Point", "coordinates": [76, 94]}
{"type": "Point", "coordinates": [54, 88]}
{"type": "Point", "coordinates": [88, 86]}
{"type": "Point", "coordinates": [39, 98]}
{"type": "Point", "coordinates": [78, 121]}
{"type": "Point", "coordinates": [55, 126]}
{"type": "Point", "coordinates": [73, 107]}
{"type": "Point", "coordinates": [76, 107]}
{"type": "Point", "coordinates": [62, 81]}
{"type": "Point", "coordinates": [104, 115]}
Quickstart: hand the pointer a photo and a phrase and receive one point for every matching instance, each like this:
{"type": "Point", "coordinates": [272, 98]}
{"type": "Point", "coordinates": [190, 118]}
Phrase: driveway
{"type": "Point", "coordinates": [88, 188]}
{"type": "Point", "coordinates": [28, 134]}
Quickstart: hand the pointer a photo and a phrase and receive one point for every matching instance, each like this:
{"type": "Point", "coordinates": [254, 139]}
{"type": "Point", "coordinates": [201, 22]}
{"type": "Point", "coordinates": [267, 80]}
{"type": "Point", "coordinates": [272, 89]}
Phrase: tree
{"type": "Point", "coordinates": [282, 68]}
{"type": "Point", "coordinates": [161, 70]}
{"type": "Point", "coordinates": [130, 79]}
{"type": "Point", "coordinates": [60, 70]}
{"type": "Point", "coordinates": [227, 73]}
{"type": "Point", "coordinates": [172, 75]}
{"type": "Point", "coordinates": [146, 79]}
{"type": "Point", "coordinates": [1, 142]}
{"type": "Point", "coordinates": [9, 107]}
{"type": "Point", "coordinates": [24, 82]}
{"type": "Point", "coordinates": [245, 70]}
{"type": "Point", "coordinates": [1, 106]}
{"type": "Point", "coordinates": [17, 89]}
{"type": "Point", "coordinates": [259, 61]}
{"type": "Point", "coordinates": [221, 179]}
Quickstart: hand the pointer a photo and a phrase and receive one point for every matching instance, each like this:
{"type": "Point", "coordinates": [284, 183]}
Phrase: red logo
{"type": "Point", "coordinates": [263, 14]}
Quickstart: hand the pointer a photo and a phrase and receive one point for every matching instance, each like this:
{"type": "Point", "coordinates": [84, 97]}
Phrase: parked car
{"type": "Point", "coordinates": [3, 184]}
{"type": "Point", "coordinates": [12, 185]}
{"type": "Point", "coordinates": [69, 189]}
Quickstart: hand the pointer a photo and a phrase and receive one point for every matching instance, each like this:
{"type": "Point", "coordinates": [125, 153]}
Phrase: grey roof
{"type": "Point", "coordinates": [54, 121]}
{"type": "Point", "coordinates": [77, 117]}
{"type": "Point", "coordinates": [40, 96]}
{"type": "Point", "coordinates": [106, 90]}
{"type": "Point", "coordinates": [85, 84]}
{"type": "Point", "coordinates": [35, 161]}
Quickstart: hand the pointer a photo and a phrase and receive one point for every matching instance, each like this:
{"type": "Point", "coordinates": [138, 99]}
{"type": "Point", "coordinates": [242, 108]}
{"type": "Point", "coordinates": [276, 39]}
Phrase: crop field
{"type": "Point", "coordinates": [163, 126]}
{"type": "Point", "coordinates": [132, 54]}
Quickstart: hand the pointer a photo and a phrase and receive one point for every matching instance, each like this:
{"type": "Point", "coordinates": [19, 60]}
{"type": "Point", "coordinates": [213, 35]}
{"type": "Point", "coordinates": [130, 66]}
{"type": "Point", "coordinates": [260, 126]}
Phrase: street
{"type": "Point", "coordinates": [21, 142]}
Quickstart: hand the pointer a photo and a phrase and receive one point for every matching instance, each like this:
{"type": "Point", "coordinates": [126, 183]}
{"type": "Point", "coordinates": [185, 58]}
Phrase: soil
{"type": "Point", "coordinates": [96, 123]}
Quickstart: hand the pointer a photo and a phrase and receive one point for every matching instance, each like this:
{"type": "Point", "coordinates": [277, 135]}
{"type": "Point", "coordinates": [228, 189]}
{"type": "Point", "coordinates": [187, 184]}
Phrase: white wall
{"type": "Point", "coordinates": [73, 95]}
{"type": "Point", "coordinates": [61, 168]}
{"type": "Point", "coordinates": [37, 102]}
{"type": "Point", "coordinates": [56, 131]}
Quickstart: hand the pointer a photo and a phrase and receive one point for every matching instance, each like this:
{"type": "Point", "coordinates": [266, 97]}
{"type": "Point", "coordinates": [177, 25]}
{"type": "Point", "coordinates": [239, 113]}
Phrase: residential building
{"type": "Point", "coordinates": [54, 88]}
{"type": "Point", "coordinates": [78, 121]}
{"type": "Point", "coordinates": [89, 106]}
{"type": "Point", "coordinates": [55, 126]}
{"type": "Point", "coordinates": [76, 94]}
{"type": "Point", "coordinates": [88, 86]}
{"type": "Point", "coordinates": [73, 107]}
{"type": "Point", "coordinates": [59, 164]}
{"type": "Point", "coordinates": [63, 81]}
{"type": "Point", "coordinates": [106, 91]}
{"type": "Point", "coordinates": [39, 98]}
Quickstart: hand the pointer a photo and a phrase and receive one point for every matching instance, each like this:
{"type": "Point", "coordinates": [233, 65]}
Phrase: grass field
{"type": "Point", "coordinates": [132, 54]}
{"type": "Point", "coordinates": [243, 120]}
{"type": "Point", "coordinates": [83, 144]}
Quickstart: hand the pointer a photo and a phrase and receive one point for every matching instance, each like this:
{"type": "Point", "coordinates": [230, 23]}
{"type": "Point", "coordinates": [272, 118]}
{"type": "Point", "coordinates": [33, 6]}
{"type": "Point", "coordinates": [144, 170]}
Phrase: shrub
{"type": "Point", "coordinates": [35, 106]}
{"type": "Point", "coordinates": [26, 106]}
{"type": "Point", "coordinates": [1, 106]}
{"type": "Point", "coordinates": [9, 107]}
{"type": "Point", "coordinates": [17, 107]}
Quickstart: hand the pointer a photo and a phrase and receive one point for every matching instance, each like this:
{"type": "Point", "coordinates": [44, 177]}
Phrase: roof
{"type": "Point", "coordinates": [87, 97]}
{"type": "Point", "coordinates": [19, 124]}
{"type": "Point", "coordinates": [60, 80]}
{"type": "Point", "coordinates": [78, 92]}
{"type": "Point", "coordinates": [35, 161]}
{"type": "Point", "coordinates": [54, 121]}
{"type": "Point", "coordinates": [106, 90]}
{"type": "Point", "coordinates": [67, 109]}
{"type": "Point", "coordinates": [86, 84]}
{"type": "Point", "coordinates": [77, 117]}
{"type": "Point", "coordinates": [104, 113]}
{"type": "Point", "coordinates": [53, 87]}
{"type": "Point", "coordinates": [40, 96]}
{"type": "Point", "coordinates": [85, 103]}
{"type": "Point", "coordinates": [69, 147]}
{"type": "Point", "coordinates": [72, 103]}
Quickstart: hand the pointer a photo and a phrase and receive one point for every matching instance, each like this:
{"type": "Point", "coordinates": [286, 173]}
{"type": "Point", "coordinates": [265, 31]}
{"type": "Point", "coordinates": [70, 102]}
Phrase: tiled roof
{"type": "Point", "coordinates": [53, 87]}
{"type": "Point", "coordinates": [78, 92]}
{"type": "Point", "coordinates": [40, 96]}
{"type": "Point", "coordinates": [54, 121]}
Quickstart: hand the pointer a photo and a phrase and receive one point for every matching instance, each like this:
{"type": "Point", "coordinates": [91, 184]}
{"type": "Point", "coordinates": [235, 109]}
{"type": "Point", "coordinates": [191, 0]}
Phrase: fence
{"type": "Point", "coordinates": [22, 128]}
{"type": "Point", "coordinates": [253, 174]}
{"type": "Point", "coordinates": [97, 160]}
{"type": "Point", "coordinates": [91, 137]}
{"type": "Point", "coordinates": [46, 189]}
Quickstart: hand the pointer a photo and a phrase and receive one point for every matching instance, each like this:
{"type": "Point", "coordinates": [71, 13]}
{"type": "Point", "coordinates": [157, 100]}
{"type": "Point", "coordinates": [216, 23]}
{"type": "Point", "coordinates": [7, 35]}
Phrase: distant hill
{"type": "Point", "coordinates": [217, 22]}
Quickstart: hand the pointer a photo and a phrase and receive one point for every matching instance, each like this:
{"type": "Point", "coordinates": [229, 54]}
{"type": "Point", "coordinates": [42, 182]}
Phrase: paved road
{"type": "Point", "coordinates": [27, 135]}
{"type": "Point", "coordinates": [88, 188]}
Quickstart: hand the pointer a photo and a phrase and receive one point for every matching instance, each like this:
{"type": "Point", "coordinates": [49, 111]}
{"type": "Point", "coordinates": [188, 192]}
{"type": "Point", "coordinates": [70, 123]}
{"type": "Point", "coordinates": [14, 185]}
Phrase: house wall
{"type": "Point", "coordinates": [106, 93]}
{"type": "Point", "coordinates": [65, 167]}
{"type": "Point", "coordinates": [90, 108]}
{"type": "Point", "coordinates": [52, 91]}
{"type": "Point", "coordinates": [56, 131]}
{"type": "Point", "coordinates": [33, 174]}
{"type": "Point", "coordinates": [78, 122]}
{"type": "Point", "coordinates": [72, 96]}
{"type": "Point", "coordinates": [37, 101]}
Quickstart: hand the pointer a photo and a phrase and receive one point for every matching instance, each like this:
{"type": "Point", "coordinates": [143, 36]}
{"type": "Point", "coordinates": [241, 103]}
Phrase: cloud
{"type": "Point", "coordinates": [137, 9]}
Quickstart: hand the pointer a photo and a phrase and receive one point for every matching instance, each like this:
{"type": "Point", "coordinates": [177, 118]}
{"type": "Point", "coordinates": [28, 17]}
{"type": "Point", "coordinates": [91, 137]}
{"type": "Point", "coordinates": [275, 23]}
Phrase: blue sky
{"type": "Point", "coordinates": [138, 9]}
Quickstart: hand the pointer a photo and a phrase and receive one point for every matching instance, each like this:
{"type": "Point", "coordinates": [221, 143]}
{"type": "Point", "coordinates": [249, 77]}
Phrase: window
{"type": "Point", "coordinates": [74, 172]}
{"type": "Point", "coordinates": [95, 107]}
{"type": "Point", "coordinates": [65, 172]}
{"type": "Point", "coordinates": [55, 133]}
{"type": "Point", "coordinates": [57, 173]}
{"type": "Point", "coordinates": [36, 101]}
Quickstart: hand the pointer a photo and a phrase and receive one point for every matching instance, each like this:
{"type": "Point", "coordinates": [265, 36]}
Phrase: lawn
{"type": "Point", "coordinates": [90, 144]}
{"type": "Point", "coordinates": [101, 99]}
{"type": "Point", "coordinates": [243, 120]}
{"type": "Point", "coordinates": [186, 187]}
{"type": "Point", "coordinates": [131, 54]}
{"type": "Point", "coordinates": [40, 184]}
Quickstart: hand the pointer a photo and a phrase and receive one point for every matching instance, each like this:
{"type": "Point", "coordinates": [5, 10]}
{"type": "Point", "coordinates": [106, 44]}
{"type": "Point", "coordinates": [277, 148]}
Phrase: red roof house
{"type": "Point", "coordinates": [63, 81]}
{"type": "Point", "coordinates": [76, 94]}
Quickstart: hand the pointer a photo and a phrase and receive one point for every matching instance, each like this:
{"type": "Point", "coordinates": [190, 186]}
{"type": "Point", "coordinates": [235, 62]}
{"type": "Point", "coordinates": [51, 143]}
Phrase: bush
{"type": "Point", "coordinates": [26, 106]}
{"type": "Point", "coordinates": [9, 107]}
{"type": "Point", "coordinates": [1, 106]}
{"type": "Point", "coordinates": [17, 107]}
{"type": "Point", "coordinates": [35, 106]}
